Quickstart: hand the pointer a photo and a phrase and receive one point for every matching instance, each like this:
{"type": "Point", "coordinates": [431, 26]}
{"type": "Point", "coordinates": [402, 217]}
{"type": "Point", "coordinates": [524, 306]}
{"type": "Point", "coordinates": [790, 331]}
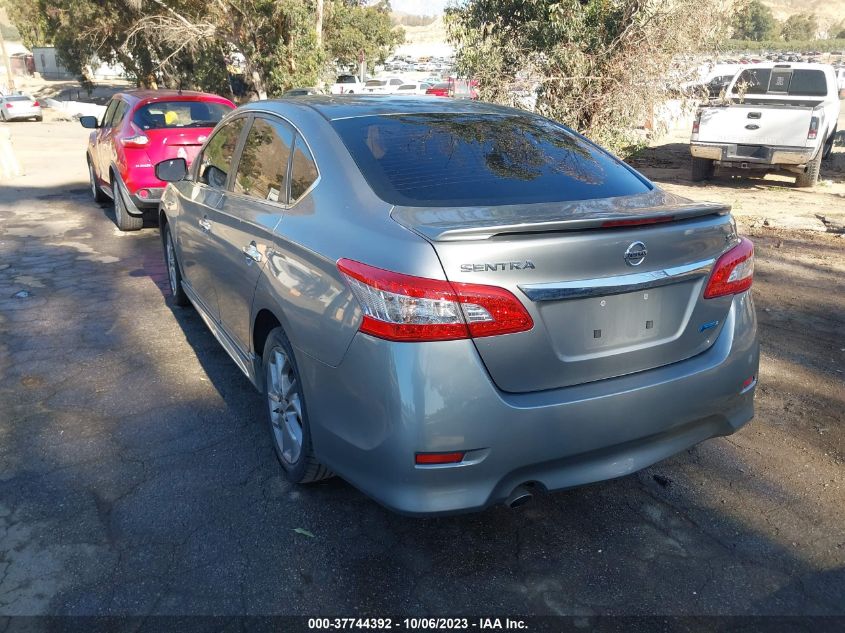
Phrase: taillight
{"type": "Point", "coordinates": [438, 458]}
{"type": "Point", "coordinates": [137, 139]}
{"type": "Point", "coordinates": [35, 104]}
{"type": "Point", "coordinates": [401, 307]}
{"type": "Point", "coordinates": [9, 105]}
{"type": "Point", "coordinates": [813, 132]}
{"type": "Point", "coordinates": [733, 272]}
{"type": "Point", "coordinates": [697, 122]}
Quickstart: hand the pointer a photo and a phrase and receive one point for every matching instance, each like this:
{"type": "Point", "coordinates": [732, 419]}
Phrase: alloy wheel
{"type": "Point", "coordinates": [285, 402]}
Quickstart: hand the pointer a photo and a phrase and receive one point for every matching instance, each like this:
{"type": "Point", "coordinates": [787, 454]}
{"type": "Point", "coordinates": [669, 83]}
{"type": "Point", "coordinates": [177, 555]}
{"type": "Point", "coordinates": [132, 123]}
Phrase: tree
{"type": "Point", "coordinates": [599, 66]}
{"type": "Point", "coordinates": [800, 27]}
{"type": "Point", "coordinates": [754, 21]}
{"type": "Point", "coordinates": [352, 28]}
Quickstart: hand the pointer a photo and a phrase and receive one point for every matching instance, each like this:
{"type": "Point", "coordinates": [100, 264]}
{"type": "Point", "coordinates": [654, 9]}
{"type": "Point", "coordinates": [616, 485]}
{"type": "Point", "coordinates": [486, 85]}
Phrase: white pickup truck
{"type": "Point", "coordinates": [773, 118]}
{"type": "Point", "coordinates": [346, 85]}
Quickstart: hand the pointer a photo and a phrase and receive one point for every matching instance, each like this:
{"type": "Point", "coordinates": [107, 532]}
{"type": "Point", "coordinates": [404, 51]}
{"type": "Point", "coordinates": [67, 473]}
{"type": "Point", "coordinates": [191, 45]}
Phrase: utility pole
{"type": "Point", "coordinates": [9, 80]}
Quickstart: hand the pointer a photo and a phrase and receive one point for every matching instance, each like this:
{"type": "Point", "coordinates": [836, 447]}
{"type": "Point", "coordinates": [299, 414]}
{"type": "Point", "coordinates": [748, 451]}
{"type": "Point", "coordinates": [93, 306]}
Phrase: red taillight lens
{"type": "Point", "coordinates": [439, 458]}
{"type": "Point", "coordinates": [609, 224]}
{"type": "Point", "coordinates": [401, 307]}
{"type": "Point", "coordinates": [813, 132]}
{"type": "Point", "coordinates": [9, 105]}
{"type": "Point", "coordinates": [697, 122]}
{"type": "Point", "coordinates": [733, 272]}
{"type": "Point", "coordinates": [137, 139]}
{"type": "Point", "coordinates": [36, 104]}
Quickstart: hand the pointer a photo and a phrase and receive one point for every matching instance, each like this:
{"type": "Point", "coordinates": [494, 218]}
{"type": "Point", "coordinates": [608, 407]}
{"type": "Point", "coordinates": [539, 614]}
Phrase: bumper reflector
{"type": "Point", "coordinates": [439, 458]}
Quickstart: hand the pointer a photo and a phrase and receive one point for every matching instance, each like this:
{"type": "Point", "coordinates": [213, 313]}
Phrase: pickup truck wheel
{"type": "Point", "coordinates": [828, 145]}
{"type": "Point", "coordinates": [287, 413]}
{"type": "Point", "coordinates": [811, 175]}
{"type": "Point", "coordinates": [702, 169]}
{"type": "Point", "coordinates": [96, 192]}
{"type": "Point", "coordinates": [124, 221]}
{"type": "Point", "coordinates": [174, 274]}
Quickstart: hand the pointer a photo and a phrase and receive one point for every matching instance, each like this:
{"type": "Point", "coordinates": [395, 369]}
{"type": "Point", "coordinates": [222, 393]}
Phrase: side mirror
{"type": "Point", "coordinates": [172, 169]}
{"type": "Point", "coordinates": [89, 122]}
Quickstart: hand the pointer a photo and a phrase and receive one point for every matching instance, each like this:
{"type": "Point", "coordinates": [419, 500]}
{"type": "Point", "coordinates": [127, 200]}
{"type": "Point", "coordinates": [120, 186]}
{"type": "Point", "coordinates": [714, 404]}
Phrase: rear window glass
{"type": "Point", "coordinates": [801, 82]}
{"type": "Point", "coordinates": [345, 79]}
{"type": "Point", "coordinates": [373, 83]}
{"type": "Point", "coordinates": [16, 98]}
{"type": "Point", "coordinates": [178, 114]}
{"type": "Point", "coordinates": [446, 159]}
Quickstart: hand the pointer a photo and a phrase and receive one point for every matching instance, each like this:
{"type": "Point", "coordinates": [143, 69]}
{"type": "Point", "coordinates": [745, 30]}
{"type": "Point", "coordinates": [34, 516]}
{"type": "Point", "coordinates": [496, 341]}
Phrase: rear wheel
{"type": "Point", "coordinates": [811, 174]}
{"type": "Point", "coordinates": [174, 274]}
{"type": "Point", "coordinates": [124, 220]}
{"type": "Point", "coordinates": [96, 192]}
{"type": "Point", "coordinates": [828, 146]}
{"type": "Point", "coordinates": [287, 413]}
{"type": "Point", "coordinates": [702, 169]}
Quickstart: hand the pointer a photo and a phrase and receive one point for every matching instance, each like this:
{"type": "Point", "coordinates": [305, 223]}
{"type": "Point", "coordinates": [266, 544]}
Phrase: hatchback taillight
{"type": "Point", "coordinates": [35, 104]}
{"type": "Point", "coordinates": [733, 272]}
{"type": "Point", "coordinates": [136, 139]}
{"type": "Point", "coordinates": [696, 124]}
{"type": "Point", "coordinates": [401, 307]}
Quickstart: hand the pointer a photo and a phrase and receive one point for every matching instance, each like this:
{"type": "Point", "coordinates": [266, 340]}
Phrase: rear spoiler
{"type": "Point", "coordinates": [449, 224]}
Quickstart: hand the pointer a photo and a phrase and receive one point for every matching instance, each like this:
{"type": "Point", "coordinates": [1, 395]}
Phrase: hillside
{"type": "Point", "coordinates": [828, 11]}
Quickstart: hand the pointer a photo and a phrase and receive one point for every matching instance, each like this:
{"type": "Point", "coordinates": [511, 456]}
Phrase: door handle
{"type": "Point", "coordinates": [205, 224]}
{"type": "Point", "coordinates": [252, 253]}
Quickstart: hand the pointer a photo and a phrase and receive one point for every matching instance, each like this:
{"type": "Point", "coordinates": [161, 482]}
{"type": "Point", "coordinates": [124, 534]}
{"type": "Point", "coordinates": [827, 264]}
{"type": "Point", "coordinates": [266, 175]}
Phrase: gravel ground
{"type": "Point", "coordinates": [137, 477]}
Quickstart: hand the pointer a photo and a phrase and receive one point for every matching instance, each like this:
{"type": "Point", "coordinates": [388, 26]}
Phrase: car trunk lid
{"type": "Point", "coordinates": [614, 286]}
{"type": "Point", "coordinates": [167, 143]}
{"type": "Point", "coordinates": [756, 124]}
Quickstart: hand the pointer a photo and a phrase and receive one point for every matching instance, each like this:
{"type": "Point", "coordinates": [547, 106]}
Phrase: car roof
{"type": "Point", "coordinates": [137, 96]}
{"type": "Point", "coordinates": [334, 107]}
{"type": "Point", "coordinates": [790, 65]}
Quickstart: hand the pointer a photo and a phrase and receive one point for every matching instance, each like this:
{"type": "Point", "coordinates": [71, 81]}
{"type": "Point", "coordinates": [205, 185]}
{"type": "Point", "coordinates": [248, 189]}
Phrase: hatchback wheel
{"type": "Point", "coordinates": [174, 274]}
{"type": "Point", "coordinates": [124, 220]}
{"type": "Point", "coordinates": [287, 412]}
{"type": "Point", "coordinates": [96, 192]}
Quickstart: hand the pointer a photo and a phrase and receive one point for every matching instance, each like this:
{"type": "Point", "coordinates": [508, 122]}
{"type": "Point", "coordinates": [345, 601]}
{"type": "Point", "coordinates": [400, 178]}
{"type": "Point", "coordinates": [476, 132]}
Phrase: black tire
{"type": "Point", "coordinates": [828, 145]}
{"type": "Point", "coordinates": [39, 118]}
{"type": "Point", "coordinates": [96, 192]}
{"type": "Point", "coordinates": [702, 169]}
{"type": "Point", "coordinates": [174, 272]}
{"type": "Point", "coordinates": [124, 220]}
{"type": "Point", "coordinates": [811, 175]}
{"type": "Point", "coordinates": [303, 467]}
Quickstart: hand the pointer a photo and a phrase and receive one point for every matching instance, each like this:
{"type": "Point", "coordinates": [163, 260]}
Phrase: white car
{"type": "Point", "coordinates": [17, 107]}
{"type": "Point", "coordinates": [413, 88]}
{"type": "Point", "coordinates": [775, 117]}
{"type": "Point", "coordinates": [384, 86]}
{"type": "Point", "coordinates": [346, 85]}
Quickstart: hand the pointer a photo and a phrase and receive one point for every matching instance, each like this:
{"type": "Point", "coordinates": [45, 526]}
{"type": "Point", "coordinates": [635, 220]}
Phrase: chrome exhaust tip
{"type": "Point", "coordinates": [519, 497]}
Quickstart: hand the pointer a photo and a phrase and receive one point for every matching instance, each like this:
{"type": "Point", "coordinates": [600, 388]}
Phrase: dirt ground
{"type": "Point", "coordinates": [137, 477]}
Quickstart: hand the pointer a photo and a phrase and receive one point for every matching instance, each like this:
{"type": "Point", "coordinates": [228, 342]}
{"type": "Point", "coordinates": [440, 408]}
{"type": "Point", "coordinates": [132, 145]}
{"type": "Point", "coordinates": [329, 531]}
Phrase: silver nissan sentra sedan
{"type": "Point", "coordinates": [453, 304]}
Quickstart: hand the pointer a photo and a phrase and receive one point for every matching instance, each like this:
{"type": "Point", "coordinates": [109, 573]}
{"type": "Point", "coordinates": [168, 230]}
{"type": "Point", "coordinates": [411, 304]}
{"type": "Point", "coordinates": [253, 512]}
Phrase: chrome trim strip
{"type": "Point", "coordinates": [619, 284]}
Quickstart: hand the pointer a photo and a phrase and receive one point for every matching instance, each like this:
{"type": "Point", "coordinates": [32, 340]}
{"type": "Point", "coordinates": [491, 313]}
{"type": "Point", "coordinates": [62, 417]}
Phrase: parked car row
{"type": "Point", "coordinates": [449, 304]}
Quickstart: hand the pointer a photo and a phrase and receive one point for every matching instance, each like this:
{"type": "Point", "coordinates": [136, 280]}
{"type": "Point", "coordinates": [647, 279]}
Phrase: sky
{"type": "Point", "coordinates": [419, 7]}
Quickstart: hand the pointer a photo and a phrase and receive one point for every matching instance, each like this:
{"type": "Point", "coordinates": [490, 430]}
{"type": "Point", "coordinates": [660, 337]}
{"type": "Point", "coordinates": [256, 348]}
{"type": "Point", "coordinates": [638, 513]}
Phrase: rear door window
{"type": "Point", "coordinates": [445, 159]}
{"type": "Point", "coordinates": [263, 165]}
{"type": "Point", "coordinates": [109, 113]}
{"type": "Point", "coordinates": [119, 113]}
{"type": "Point", "coordinates": [216, 159]}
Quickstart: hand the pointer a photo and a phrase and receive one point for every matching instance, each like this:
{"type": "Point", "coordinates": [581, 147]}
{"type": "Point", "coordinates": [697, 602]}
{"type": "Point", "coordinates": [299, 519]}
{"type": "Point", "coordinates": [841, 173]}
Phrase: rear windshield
{"type": "Point", "coordinates": [801, 82]}
{"type": "Point", "coordinates": [446, 159]}
{"type": "Point", "coordinates": [373, 83]}
{"type": "Point", "coordinates": [179, 114]}
{"type": "Point", "coordinates": [345, 79]}
{"type": "Point", "coordinates": [18, 98]}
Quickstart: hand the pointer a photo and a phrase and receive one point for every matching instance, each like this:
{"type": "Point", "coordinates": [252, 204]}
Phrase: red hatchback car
{"type": "Point", "coordinates": [139, 129]}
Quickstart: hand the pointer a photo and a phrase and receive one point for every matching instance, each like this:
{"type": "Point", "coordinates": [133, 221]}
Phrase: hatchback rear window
{"type": "Point", "coordinates": [179, 114]}
{"type": "Point", "coordinates": [446, 159]}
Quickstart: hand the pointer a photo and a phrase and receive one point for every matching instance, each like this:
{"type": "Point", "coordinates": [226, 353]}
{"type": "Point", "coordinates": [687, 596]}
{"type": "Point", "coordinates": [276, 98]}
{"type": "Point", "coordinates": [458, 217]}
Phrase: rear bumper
{"type": "Point", "coordinates": [23, 115]}
{"type": "Point", "coordinates": [753, 156]}
{"type": "Point", "coordinates": [387, 401]}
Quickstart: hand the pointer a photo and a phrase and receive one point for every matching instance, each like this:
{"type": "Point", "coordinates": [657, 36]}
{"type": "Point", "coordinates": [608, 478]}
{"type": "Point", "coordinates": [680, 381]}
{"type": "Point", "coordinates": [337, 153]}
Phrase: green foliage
{"type": "Point", "coordinates": [350, 29]}
{"type": "Point", "coordinates": [196, 43]}
{"type": "Point", "coordinates": [599, 66]}
{"type": "Point", "coordinates": [802, 26]}
{"type": "Point", "coordinates": [755, 21]}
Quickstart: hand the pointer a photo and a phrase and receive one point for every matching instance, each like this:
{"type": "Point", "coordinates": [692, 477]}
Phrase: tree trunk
{"type": "Point", "coordinates": [319, 24]}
